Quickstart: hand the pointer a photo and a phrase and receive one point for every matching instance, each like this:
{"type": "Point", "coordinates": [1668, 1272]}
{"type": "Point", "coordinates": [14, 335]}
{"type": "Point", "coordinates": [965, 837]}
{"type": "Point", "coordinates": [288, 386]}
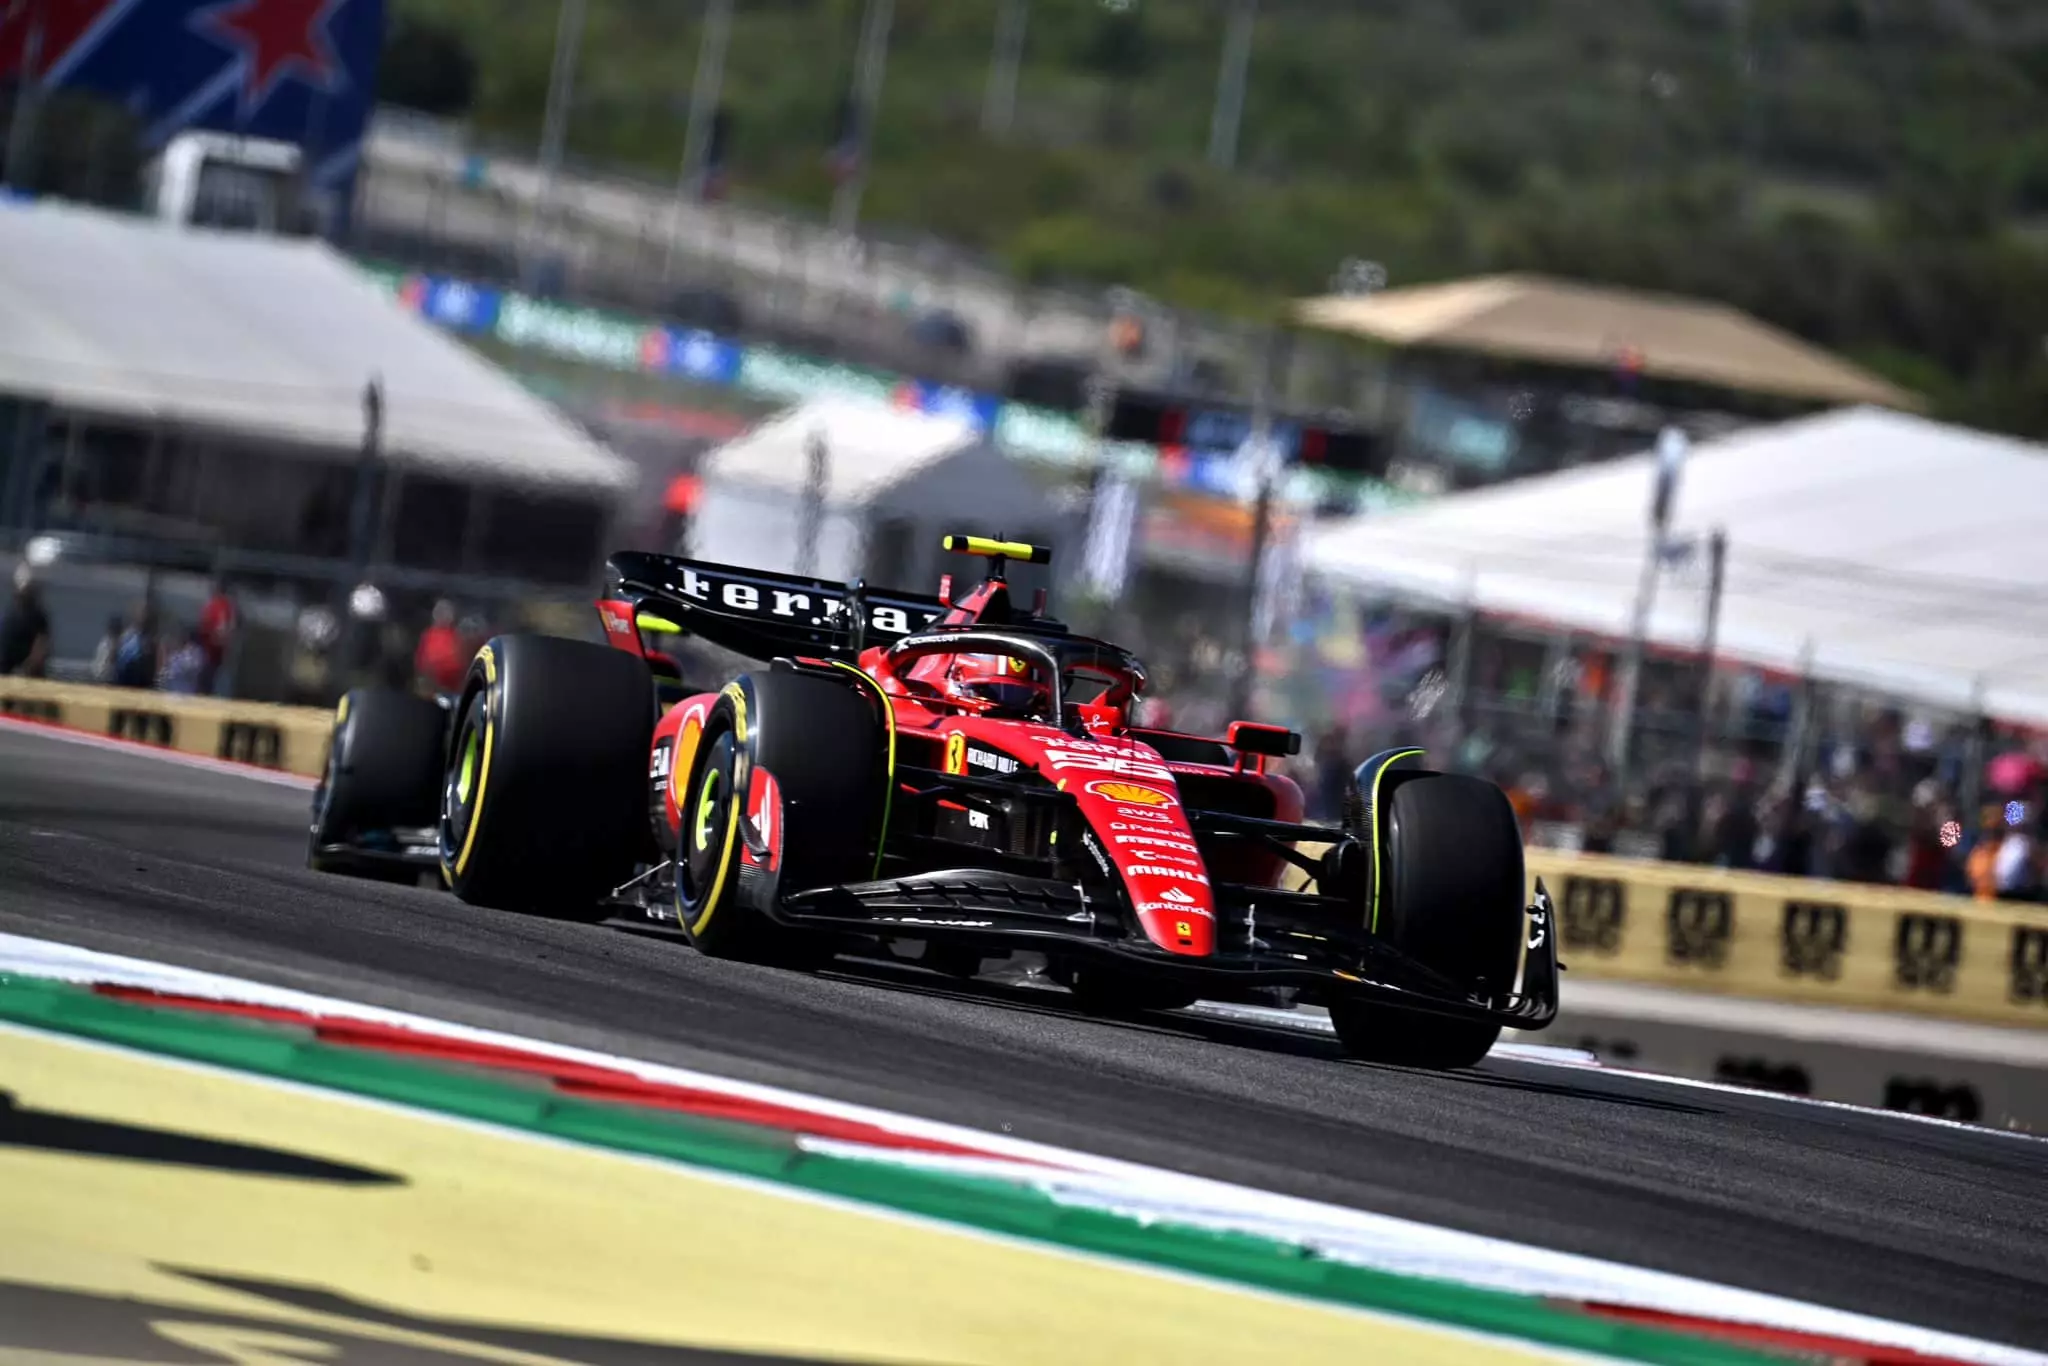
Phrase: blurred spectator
{"type": "Point", "coordinates": [185, 664]}
{"type": "Point", "coordinates": [137, 658]}
{"type": "Point", "coordinates": [311, 665]}
{"type": "Point", "coordinates": [1982, 866]}
{"type": "Point", "coordinates": [1333, 775]}
{"type": "Point", "coordinates": [1732, 829]}
{"type": "Point", "coordinates": [2013, 865]}
{"type": "Point", "coordinates": [104, 653]}
{"type": "Point", "coordinates": [1927, 862]}
{"type": "Point", "coordinates": [25, 631]}
{"type": "Point", "coordinates": [440, 663]}
{"type": "Point", "coordinates": [218, 622]}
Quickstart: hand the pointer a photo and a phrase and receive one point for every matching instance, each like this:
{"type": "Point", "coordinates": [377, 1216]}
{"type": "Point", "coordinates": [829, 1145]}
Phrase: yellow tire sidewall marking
{"type": "Point", "coordinates": [483, 775]}
{"type": "Point", "coordinates": [709, 907]}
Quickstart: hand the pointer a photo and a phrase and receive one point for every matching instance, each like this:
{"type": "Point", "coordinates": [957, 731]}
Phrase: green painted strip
{"type": "Point", "coordinates": [990, 1205]}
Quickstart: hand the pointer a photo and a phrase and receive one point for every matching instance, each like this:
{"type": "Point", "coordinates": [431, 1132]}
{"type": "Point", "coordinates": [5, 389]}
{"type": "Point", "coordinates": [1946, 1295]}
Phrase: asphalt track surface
{"type": "Point", "coordinates": [1938, 1225]}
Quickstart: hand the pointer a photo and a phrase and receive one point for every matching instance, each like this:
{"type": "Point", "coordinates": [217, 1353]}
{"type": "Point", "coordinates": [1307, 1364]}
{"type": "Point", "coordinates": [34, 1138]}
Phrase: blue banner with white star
{"type": "Point", "coordinates": [299, 71]}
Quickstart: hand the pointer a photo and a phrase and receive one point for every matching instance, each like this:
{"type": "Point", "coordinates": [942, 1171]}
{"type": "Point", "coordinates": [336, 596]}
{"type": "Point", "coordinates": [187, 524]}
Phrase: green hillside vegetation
{"type": "Point", "coordinates": [1864, 172]}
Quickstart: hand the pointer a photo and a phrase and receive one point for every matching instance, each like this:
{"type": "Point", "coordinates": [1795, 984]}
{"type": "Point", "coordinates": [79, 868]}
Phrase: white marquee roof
{"type": "Point", "coordinates": [869, 446]}
{"type": "Point", "coordinates": [1901, 553]}
{"type": "Point", "coordinates": [136, 320]}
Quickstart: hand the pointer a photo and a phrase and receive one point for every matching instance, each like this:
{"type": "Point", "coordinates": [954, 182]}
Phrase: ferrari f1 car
{"type": "Point", "coordinates": [960, 773]}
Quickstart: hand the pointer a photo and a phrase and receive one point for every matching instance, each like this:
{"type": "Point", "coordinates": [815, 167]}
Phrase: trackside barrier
{"type": "Point", "coordinates": [1798, 939]}
{"type": "Point", "coordinates": [289, 739]}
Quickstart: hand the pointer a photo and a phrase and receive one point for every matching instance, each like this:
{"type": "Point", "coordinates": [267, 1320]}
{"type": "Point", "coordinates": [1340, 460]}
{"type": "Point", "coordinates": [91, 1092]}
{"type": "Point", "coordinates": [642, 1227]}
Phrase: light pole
{"type": "Point", "coordinates": [1710, 644]}
{"type": "Point", "coordinates": [999, 108]}
{"type": "Point", "coordinates": [554, 131]}
{"type": "Point", "coordinates": [867, 93]}
{"type": "Point", "coordinates": [705, 90]}
{"type": "Point", "coordinates": [1672, 446]}
{"type": "Point", "coordinates": [1228, 115]}
{"type": "Point", "coordinates": [28, 91]}
{"type": "Point", "coordinates": [1268, 465]}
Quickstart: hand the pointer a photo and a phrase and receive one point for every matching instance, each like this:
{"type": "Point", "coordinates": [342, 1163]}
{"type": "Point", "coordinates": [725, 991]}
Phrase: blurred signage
{"type": "Point", "coordinates": [1321, 475]}
{"type": "Point", "coordinates": [695, 355]}
{"type": "Point", "coordinates": [941, 400]}
{"type": "Point", "coordinates": [1222, 429]}
{"type": "Point", "coordinates": [774, 373]}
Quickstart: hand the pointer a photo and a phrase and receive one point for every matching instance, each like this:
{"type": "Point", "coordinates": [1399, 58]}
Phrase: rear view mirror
{"type": "Point", "coordinates": [1249, 737]}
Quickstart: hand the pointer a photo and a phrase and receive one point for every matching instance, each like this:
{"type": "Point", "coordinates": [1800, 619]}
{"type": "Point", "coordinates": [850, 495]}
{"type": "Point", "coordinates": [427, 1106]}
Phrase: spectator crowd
{"type": "Point", "coordinates": [138, 650]}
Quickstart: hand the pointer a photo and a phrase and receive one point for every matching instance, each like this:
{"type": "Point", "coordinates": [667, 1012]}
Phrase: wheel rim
{"type": "Point", "coordinates": [705, 817]}
{"type": "Point", "coordinates": [322, 797]}
{"type": "Point", "coordinates": [459, 794]}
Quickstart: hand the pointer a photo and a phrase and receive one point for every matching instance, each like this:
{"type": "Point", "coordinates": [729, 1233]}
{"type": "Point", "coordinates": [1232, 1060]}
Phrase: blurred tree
{"type": "Point", "coordinates": [426, 66]}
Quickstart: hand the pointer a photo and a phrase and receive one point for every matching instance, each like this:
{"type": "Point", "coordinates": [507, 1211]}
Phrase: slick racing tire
{"type": "Point", "coordinates": [544, 803]}
{"type": "Point", "coordinates": [824, 746]}
{"type": "Point", "coordinates": [383, 773]}
{"type": "Point", "coordinates": [1454, 900]}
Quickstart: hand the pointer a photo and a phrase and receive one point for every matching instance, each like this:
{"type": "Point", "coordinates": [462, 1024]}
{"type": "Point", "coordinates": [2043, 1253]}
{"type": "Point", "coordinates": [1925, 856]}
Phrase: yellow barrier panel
{"type": "Point", "coordinates": [290, 739]}
{"type": "Point", "coordinates": [1798, 939]}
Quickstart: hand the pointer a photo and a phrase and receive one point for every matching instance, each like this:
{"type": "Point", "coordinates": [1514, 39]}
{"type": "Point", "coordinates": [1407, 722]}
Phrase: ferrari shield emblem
{"type": "Point", "coordinates": [956, 753]}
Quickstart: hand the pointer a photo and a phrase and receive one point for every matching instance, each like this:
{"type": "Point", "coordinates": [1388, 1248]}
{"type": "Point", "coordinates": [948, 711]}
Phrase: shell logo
{"type": "Point", "coordinates": [1131, 792]}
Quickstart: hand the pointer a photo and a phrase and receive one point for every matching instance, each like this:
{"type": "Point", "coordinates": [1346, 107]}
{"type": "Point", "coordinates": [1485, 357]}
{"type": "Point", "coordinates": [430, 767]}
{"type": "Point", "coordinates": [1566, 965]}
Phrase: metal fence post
{"type": "Point", "coordinates": [1710, 643]}
{"type": "Point", "coordinates": [1970, 786]}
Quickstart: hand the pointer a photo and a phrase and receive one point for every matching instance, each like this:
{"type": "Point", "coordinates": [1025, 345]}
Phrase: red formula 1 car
{"type": "Point", "coordinates": [966, 775]}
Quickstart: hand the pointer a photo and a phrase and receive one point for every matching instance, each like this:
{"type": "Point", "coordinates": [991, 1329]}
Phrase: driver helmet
{"type": "Point", "coordinates": [999, 684]}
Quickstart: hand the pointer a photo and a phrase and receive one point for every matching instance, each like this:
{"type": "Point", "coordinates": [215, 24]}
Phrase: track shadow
{"type": "Point", "coordinates": [82, 1136]}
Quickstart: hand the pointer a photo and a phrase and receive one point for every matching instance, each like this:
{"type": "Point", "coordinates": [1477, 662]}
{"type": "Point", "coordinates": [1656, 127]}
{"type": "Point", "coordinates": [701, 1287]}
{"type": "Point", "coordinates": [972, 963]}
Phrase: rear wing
{"type": "Point", "coordinates": [759, 614]}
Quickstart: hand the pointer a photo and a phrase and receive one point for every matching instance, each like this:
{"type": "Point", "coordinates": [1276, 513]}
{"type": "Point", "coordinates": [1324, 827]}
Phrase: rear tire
{"type": "Point", "coordinates": [544, 805]}
{"type": "Point", "coordinates": [823, 744]}
{"type": "Point", "coordinates": [1454, 900]}
{"type": "Point", "coordinates": [384, 765]}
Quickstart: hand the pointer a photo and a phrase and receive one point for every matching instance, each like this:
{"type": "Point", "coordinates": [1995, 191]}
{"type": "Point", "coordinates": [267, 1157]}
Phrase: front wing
{"type": "Point", "coordinates": [382, 853]}
{"type": "Point", "coordinates": [1265, 938]}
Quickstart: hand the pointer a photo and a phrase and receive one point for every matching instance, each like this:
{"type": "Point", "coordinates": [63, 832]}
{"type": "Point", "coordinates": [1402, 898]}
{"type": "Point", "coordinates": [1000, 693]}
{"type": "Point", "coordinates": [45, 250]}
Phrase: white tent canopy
{"type": "Point", "coordinates": [1870, 547]}
{"type": "Point", "coordinates": [869, 447]}
{"type": "Point", "coordinates": [894, 483]}
{"type": "Point", "coordinates": [241, 335]}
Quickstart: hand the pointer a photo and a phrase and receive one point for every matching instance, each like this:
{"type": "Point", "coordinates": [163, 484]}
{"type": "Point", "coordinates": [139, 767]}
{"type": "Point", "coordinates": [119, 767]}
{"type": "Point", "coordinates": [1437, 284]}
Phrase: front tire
{"type": "Point", "coordinates": [383, 773]}
{"type": "Point", "coordinates": [821, 743]}
{"type": "Point", "coordinates": [1454, 899]}
{"type": "Point", "coordinates": [544, 804]}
